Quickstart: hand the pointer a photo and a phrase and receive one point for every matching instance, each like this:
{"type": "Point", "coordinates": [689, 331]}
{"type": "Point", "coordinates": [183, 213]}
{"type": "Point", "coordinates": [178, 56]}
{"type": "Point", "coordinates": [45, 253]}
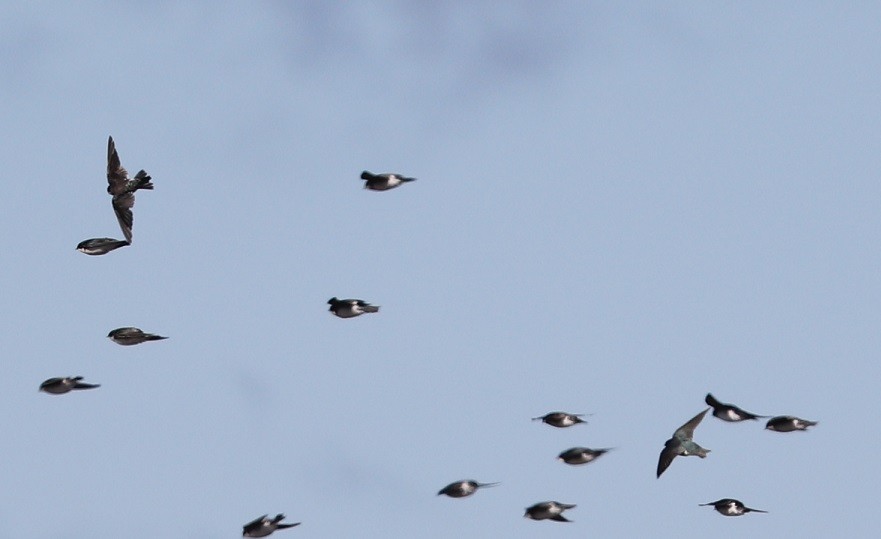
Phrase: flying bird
{"type": "Point", "coordinates": [582, 455]}
{"type": "Point", "coordinates": [788, 423]}
{"type": "Point", "coordinates": [682, 444]}
{"type": "Point", "coordinates": [100, 246]}
{"type": "Point", "coordinates": [548, 510]}
{"type": "Point", "coordinates": [130, 336]}
{"type": "Point", "coordinates": [729, 412]}
{"type": "Point", "coordinates": [560, 419]}
{"type": "Point", "coordinates": [350, 308]}
{"type": "Point", "coordinates": [731, 507]}
{"type": "Point", "coordinates": [60, 386]}
{"type": "Point", "coordinates": [383, 182]}
{"type": "Point", "coordinates": [123, 189]}
{"type": "Point", "coordinates": [460, 489]}
{"type": "Point", "coordinates": [263, 526]}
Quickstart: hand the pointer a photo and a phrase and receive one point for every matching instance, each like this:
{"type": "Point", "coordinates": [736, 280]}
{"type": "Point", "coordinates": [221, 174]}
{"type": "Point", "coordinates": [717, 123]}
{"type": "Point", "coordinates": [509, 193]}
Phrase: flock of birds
{"type": "Point", "coordinates": [680, 444]}
{"type": "Point", "coordinates": [122, 189]}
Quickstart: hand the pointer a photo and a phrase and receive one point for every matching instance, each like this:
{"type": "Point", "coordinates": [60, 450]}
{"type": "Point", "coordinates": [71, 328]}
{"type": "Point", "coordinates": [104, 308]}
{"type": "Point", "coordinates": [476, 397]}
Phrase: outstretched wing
{"type": "Point", "coordinates": [122, 206]}
{"type": "Point", "coordinates": [666, 458]}
{"type": "Point", "coordinates": [117, 176]}
{"type": "Point", "coordinates": [686, 431]}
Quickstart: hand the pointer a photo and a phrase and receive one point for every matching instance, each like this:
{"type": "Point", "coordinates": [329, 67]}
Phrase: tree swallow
{"type": "Point", "coordinates": [263, 526]}
{"type": "Point", "coordinates": [123, 189]}
{"type": "Point", "coordinates": [460, 489]}
{"type": "Point", "coordinates": [729, 412]}
{"type": "Point", "coordinates": [581, 455]}
{"type": "Point", "coordinates": [350, 308]}
{"type": "Point", "coordinates": [548, 510]}
{"type": "Point", "coordinates": [130, 336]}
{"type": "Point", "coordinates": [60, 386]}
{"type": "Point", "coordinates": [788, 423]}
{"type": "Point", "coordinates": [100, 246]}
{"type": "Point", "coordinates": [731, 507]}
{"type": "Point", "coordinates": [560, 419]}
{"type": "Point", "coordinates": [682, 444]}
{"type": "Point", "coordinates": [383, 182]}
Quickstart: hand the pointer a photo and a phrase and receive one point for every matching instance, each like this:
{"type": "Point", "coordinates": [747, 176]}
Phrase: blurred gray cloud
{"type": "Point", "coordinates": [460, 47]}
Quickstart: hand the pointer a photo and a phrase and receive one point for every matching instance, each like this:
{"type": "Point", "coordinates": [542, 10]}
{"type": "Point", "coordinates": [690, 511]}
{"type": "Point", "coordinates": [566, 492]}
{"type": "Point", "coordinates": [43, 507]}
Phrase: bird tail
{"type": "Point", "coordinates": [371, 309]}
{"type": "Point", "coordinates": [286, 526]}
{"type": "Point", "coordinates": [155, 337]}
{"type": "Point", "coordinates": [403, 179]}
{"type": "Point", "coordinates": [750, 510]}
{"type": "Point", "coordinates": [143, 180]}
{"type": "Point", "coordinates": [560, 518]}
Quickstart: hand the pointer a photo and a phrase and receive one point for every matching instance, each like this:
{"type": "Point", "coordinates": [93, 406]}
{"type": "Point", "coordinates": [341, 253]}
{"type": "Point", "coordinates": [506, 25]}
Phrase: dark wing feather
{"type": "Point", "coordinates": [122, 206]}
{"type": "Point", "coordinates": [254, 524]}
{"type": "Point", "coordinates": [116, 175]}
{"type": "Point", "coordinates": [666, 458]}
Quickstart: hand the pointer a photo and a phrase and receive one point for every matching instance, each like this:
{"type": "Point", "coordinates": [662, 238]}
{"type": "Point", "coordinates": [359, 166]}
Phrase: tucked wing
{"type": "Point", "coordinates": [747, 415]}
{"type": "Point", "coordinates": [751, 510]}
{"type": "Point", "coordinates": [126, 332]}
{"type": "Point", "coordinates": [254, 524]}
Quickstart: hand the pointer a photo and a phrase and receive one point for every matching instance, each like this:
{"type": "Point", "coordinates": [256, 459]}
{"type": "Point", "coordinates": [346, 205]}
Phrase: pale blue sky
{"type": "Point", "coordinates": [619, 209]}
